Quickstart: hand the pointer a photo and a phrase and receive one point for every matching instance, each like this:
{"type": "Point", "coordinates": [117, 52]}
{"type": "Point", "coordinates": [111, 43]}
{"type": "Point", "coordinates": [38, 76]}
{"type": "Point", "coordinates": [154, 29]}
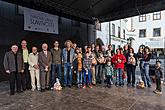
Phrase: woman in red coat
{"type": "Point", "coordinates": [119, 60]}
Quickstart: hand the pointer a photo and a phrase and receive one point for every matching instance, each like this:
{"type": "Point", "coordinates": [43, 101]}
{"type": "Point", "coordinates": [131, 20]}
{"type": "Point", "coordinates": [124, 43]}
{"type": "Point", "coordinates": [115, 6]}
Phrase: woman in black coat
{"type": "Point", "coordinates": [131, 63]}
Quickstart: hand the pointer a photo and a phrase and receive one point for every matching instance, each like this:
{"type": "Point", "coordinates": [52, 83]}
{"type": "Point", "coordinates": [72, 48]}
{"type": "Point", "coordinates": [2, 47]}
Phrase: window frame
{"type": "Point", "coordinates": [156, 14]}
{"type": "Point", "coordinates": [144, 18]}
{"type": "Point", "coordinates": [145, 33]}
{"type": "Point", "coordinates": [159, 32]}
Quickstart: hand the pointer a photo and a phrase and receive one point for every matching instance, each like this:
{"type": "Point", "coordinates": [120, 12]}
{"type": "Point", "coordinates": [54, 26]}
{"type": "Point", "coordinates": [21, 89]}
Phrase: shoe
{"type": "Point", "coordinates": [33, 89]}
{"type": "Point", "coordinates": [84, 87]}
{"type": "Point", "coordinates": [149, 86]}
{"type": "Point", "coordinates": [109, 86]}
{"type": "Point", "coordinates": [69, 86]}
{"type": "Point", "coordinates": [39, 89]}
{"type": "Point", "coordinates": [90, 86]}
{"type": "Point", "coordinates": [12, 93]}
{"type": "Point", "coordinates": [47, 88]}
{"type": "Point", "coordinates": [80, 85]}
{"type": "Point", "coordinates": [128, 85]}
{"type": "Point", "coordinates": [19, 91]}
{"type": "Point", "coordinates": [42, 90]}
{"type": "Point", "coordinates": [155, 91]}
{"type": "Point", "coordinates": [116, 85]}
{"type": "Point", "coordinates": [159, 92]}
{"type": "Point", "coordinates": [133, 85]}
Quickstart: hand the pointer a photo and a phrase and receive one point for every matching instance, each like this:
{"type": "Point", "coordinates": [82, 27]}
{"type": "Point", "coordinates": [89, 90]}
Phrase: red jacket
{"type": "Point", "coordinates": [117, 64]}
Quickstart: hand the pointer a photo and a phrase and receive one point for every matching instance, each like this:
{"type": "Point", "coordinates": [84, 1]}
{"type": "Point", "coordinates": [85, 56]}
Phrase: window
{"type": "Point", "coordinates": [142, 33]}
{"type": "Point", "coordinates": [119, 32]}
{"type": "Point", "coordinates": [113, 29]}
{"type": "Point", "coordinates": [156, 32]}
{"type": "Point", "coordinates": [142, 18]}
{"type": "Point", "coordinates": [156, 15]}
{"type": "Point", "coordinates": [124, 33]}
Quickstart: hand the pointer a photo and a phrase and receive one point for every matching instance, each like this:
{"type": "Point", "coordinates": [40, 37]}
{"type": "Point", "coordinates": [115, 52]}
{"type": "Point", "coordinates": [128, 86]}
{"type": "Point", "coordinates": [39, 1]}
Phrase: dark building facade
{"type": "Point", "coordinates": [12, 31]}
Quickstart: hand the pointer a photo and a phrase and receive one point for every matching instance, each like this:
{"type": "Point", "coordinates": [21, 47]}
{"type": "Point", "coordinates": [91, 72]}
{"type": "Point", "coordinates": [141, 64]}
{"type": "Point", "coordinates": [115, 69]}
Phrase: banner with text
{"type": "Point", "coordinates": [40, 21]}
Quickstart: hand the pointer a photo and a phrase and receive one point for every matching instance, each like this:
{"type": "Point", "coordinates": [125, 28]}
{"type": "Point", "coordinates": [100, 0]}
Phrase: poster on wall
{"type": "Point", "coordinates": [40, 22]}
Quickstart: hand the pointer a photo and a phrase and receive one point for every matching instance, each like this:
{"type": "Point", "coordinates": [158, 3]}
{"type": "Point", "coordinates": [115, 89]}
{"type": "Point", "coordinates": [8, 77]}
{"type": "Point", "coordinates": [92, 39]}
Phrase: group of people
{"type": "Point", "coordinates": [82, 67]}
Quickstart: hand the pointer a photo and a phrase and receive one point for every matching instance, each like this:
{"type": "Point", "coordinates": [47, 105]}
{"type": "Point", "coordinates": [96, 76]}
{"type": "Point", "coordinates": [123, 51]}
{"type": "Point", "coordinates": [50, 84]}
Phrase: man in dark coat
{"type": "Point", "coordinates": [14, 66]}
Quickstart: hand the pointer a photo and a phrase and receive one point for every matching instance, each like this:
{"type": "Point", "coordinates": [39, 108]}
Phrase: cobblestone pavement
{"type": "Point", "coordinates": [97, 98]}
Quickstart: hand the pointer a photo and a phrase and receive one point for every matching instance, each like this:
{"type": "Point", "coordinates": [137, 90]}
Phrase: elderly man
{"type": "Point", "coordinates": [34, 68]}
{"type": "Point", "coordinates": [14, 66]}
{"type": "Point", "coordinates": [45, 60]}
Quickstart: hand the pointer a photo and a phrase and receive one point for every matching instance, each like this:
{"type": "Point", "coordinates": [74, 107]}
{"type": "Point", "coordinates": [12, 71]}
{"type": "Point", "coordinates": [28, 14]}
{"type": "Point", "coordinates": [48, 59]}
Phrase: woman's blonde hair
{"type": "Point", "coordinates": [67, 42]}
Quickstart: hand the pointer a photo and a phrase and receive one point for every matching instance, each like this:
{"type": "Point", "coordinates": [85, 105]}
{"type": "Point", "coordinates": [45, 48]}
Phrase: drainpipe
{"type": "Point", "coordinates": [110, 32]}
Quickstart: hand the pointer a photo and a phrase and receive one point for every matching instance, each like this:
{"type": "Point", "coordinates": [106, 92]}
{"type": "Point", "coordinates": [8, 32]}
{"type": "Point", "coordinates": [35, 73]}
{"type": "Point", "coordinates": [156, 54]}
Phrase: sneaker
{"type": "Point", "coordinates": [116, 85]}
{"type": "Point", "coordinates": [159, 92]}
{"type": "Point", "coordinates": [155, 91]}
{"type": "Point", "coordinates": [84, 87]}
{"type": "Point", "coordinates": [90, 86]}
{"type": "Point", "coordinates": [133, 85]}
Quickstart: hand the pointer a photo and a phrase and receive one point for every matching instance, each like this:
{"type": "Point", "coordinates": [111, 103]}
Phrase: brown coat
{"type": "Point", "coordinates": [43, 60]}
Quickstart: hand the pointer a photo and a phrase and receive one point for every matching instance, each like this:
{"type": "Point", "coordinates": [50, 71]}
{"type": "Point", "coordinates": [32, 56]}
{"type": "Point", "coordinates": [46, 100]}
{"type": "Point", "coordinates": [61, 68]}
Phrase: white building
{"type": "Point", "coordinates": [149, 30]}
{"type": "Point", "coordinates": [113, 32]}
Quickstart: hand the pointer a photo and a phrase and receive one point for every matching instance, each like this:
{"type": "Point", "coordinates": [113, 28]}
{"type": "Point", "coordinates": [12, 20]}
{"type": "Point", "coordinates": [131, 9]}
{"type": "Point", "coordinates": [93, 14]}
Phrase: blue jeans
{"type": "Point", "coordinates": [56, 73]}
{"type": "Point", "coordinates": [145, 75]}
{"type": "Point", "coordinates": [119, 79]}
{"type": "Point", "coordinates": [79, 77]}
{"type": "Point", "coordinates": [67, 74]}
{"type": "Point", "coordinates": [99, 71]}
{"type": "Point", "coordinates": [89, 78]}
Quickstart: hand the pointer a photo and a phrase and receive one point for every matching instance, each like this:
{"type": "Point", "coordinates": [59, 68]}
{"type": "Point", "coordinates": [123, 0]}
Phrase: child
{"type": "Point", "coordinates": [78, 67]}
{"type": "Point", "coordinates": [108, 72]}
{"type": "Point", "coordinates": [158, 76]}
{"type": "Point", "coordinates": [119, 60]}
{"type": "Point", "coordinates": [87, 63]}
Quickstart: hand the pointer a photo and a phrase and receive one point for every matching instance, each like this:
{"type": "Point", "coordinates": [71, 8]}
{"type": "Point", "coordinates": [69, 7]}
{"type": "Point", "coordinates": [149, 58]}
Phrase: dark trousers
{"type": "Point", "coordinates": [55, 73]}
{"type": "Point", "coordinates": [27, 77]}
{"type": "Point", "coordinates": [15, 77]}
{"type": "Point", "coordinates": [131, 74]}
{"type": "Point", "coordinates": [158, 84]}
{"type": "Point", "coordinates": [109, 79]}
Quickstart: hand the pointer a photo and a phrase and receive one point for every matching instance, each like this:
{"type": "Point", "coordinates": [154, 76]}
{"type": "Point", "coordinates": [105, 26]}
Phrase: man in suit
{"type": "Point", "coordinates": [45, 60]}
{"type": "Point", "coordinates": [14, 66]}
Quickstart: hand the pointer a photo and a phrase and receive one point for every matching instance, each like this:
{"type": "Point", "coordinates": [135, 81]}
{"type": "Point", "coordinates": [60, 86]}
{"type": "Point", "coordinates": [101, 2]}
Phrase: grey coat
{"type": "Point", "coordinates": [43, 60]}
{"type": "Point", "coordinates": [9, 62]}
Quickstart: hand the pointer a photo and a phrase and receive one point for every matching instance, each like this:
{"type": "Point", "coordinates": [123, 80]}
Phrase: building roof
{"type": "Point", "coordinates": [90, 10]}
